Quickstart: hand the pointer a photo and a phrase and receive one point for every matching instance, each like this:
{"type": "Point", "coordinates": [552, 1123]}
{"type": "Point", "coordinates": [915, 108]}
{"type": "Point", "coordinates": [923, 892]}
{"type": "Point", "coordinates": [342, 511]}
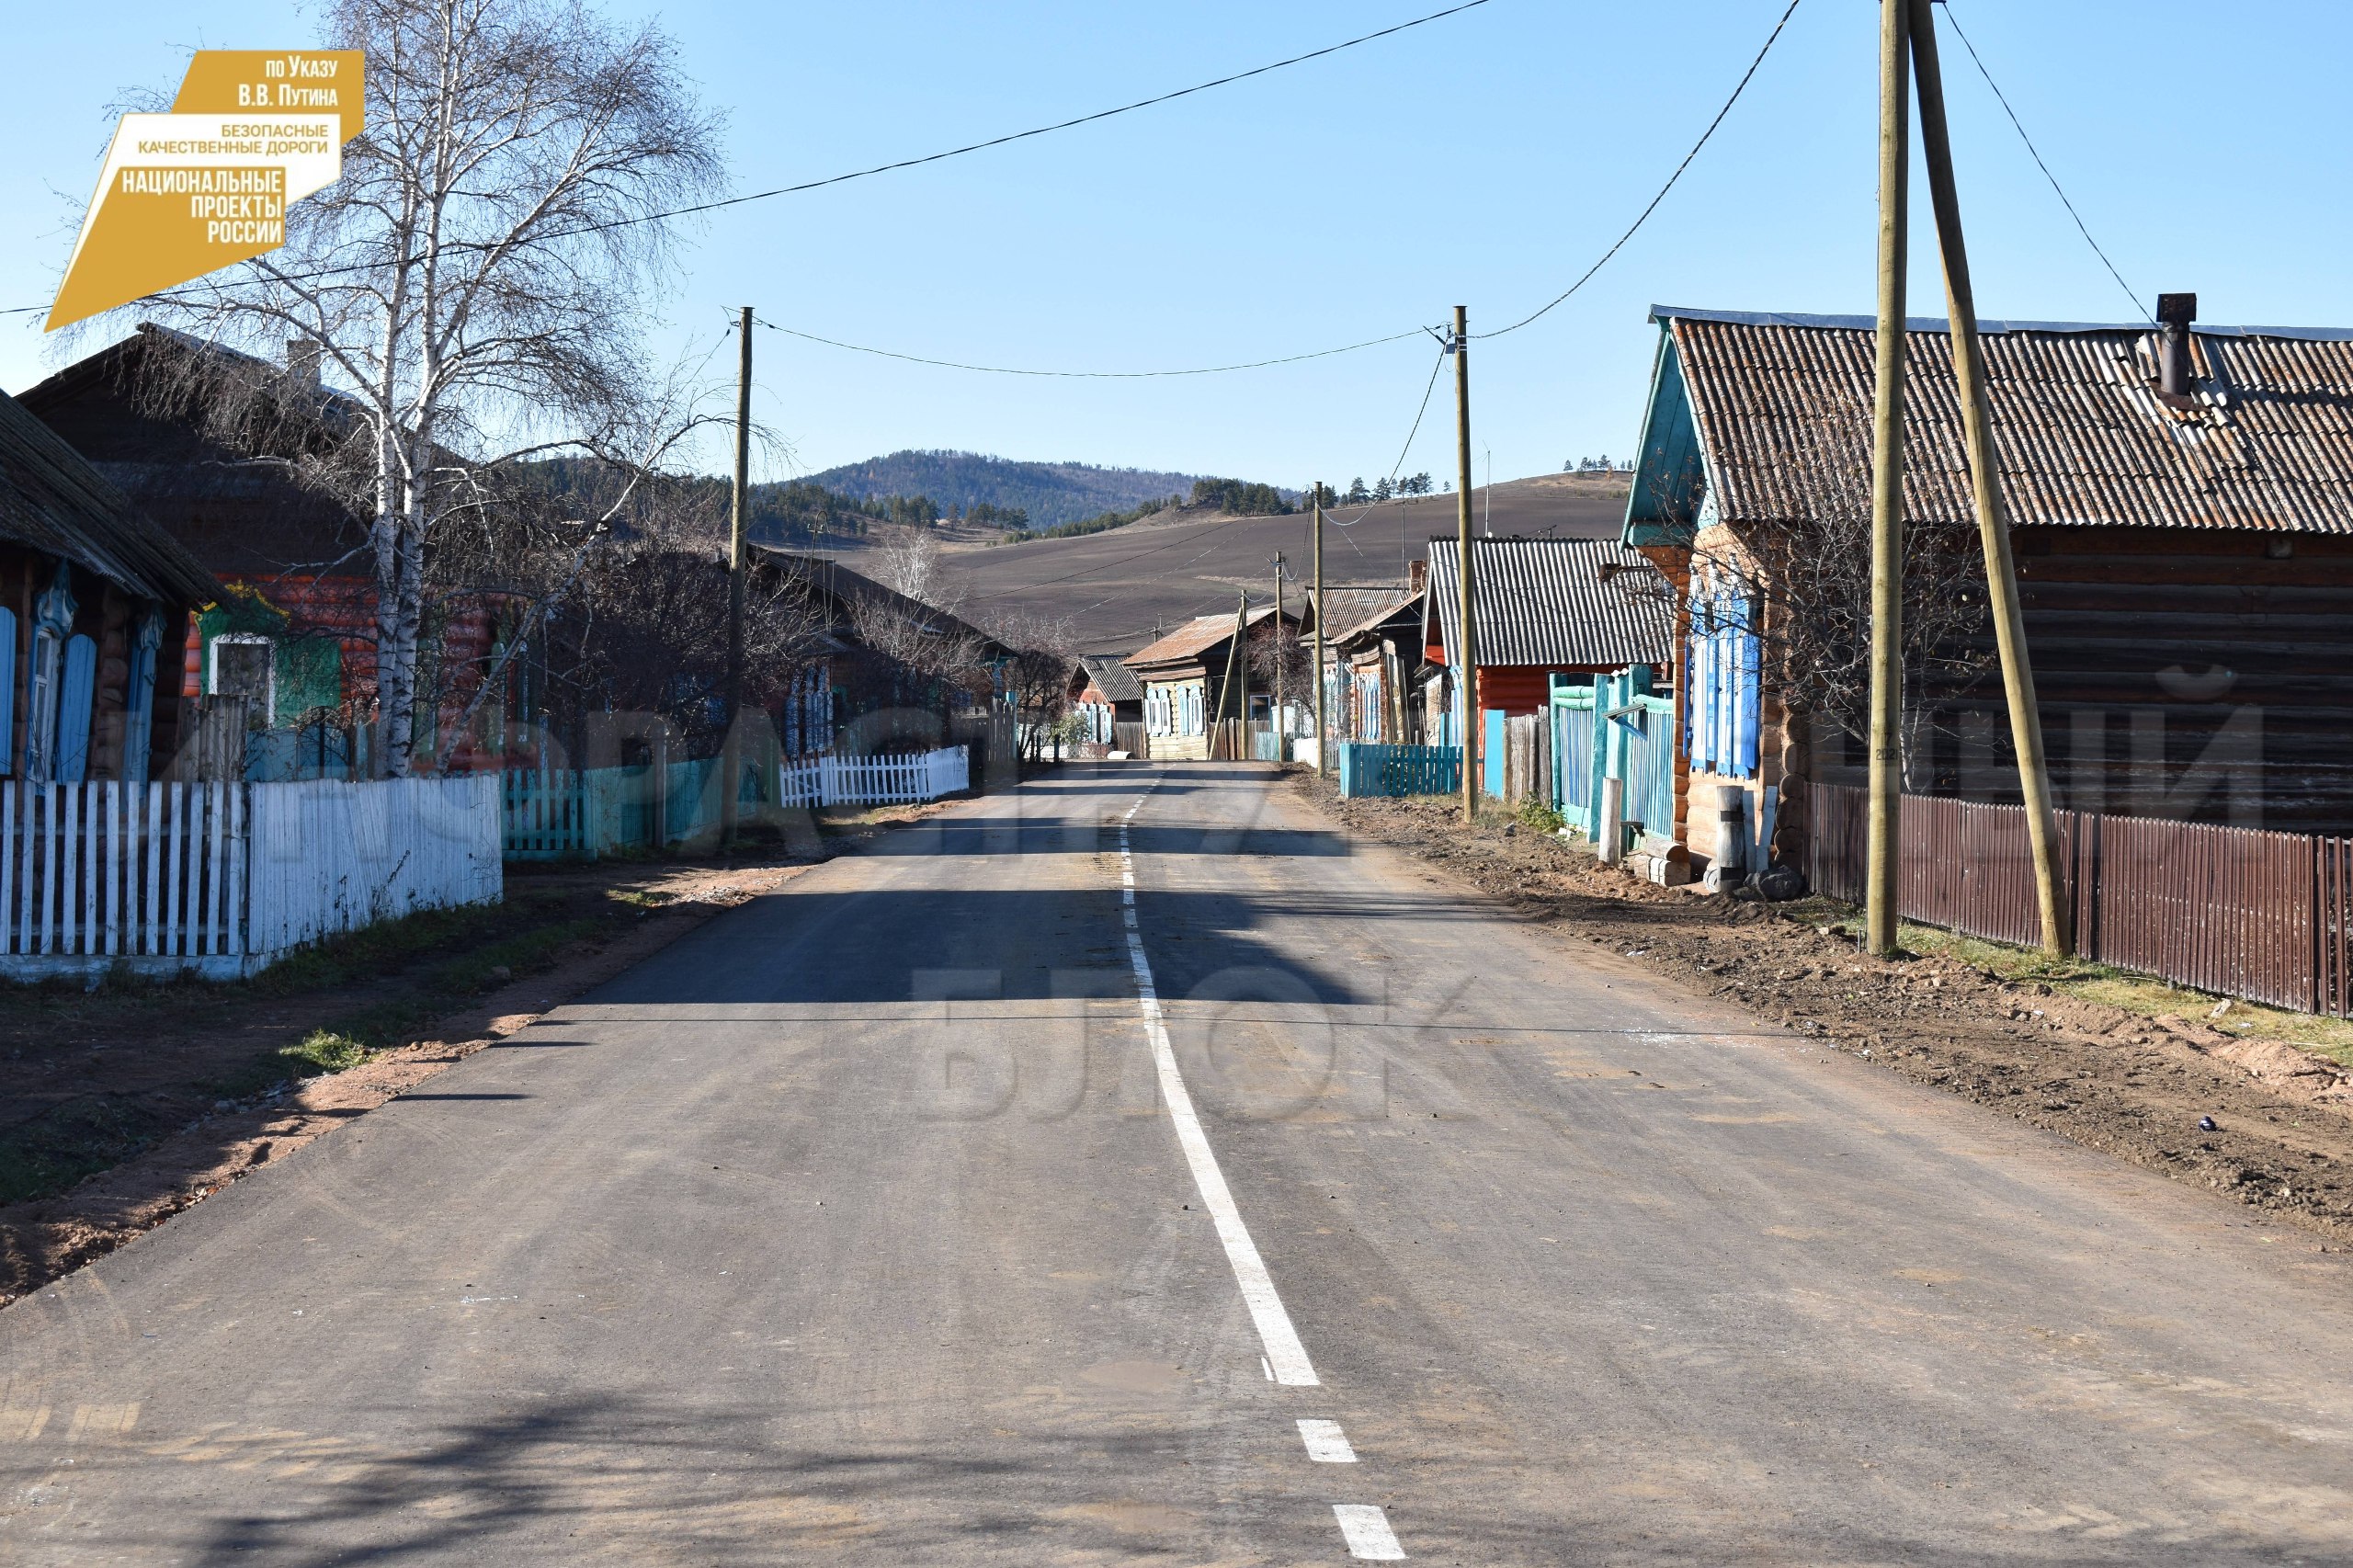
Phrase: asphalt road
{"type": "Point", "coordinates": [878, 1222]}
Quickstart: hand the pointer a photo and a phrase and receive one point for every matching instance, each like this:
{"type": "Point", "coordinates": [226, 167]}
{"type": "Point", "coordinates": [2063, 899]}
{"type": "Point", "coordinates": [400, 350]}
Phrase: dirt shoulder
{"type": "Point", "coordinates": [123, 1105]}
{"type": "Point", "coordinates": [2262, 1119]}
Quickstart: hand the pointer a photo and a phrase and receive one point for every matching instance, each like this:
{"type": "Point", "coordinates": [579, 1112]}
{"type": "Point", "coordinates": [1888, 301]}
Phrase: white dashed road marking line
{"type": "Point", "coordinates": [1326, 1444]}
{"type": "Point", "coordinates": [1285, 1354]}
{"type": "Point", "coordinates": [1366, 1530]}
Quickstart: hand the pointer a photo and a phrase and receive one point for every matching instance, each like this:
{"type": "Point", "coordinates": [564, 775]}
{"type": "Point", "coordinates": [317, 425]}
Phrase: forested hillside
{"type": "Point", "coordinates": [1049, 493]}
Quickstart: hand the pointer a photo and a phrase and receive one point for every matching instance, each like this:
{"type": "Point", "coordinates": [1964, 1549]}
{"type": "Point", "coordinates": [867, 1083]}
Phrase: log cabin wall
{"type": "Point", "coordinates": [108, 615]}
{"type": "Point", "coordinates": [2201, 674]}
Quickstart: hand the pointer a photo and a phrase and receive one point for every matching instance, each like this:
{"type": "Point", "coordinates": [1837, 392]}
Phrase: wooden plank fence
{"type": "Point", "coordinates": [117, 870]}
{"type": "Point", "coordinates": [328, 856]}
{"type": "Point", "coordinates": [2236, 911]}
{"type": "Point", "coordinates": [565, 814]}
{"type": "Point", "coordinates": [222, 879]}
{"type": "Point", "coordinates": [1367, 768]}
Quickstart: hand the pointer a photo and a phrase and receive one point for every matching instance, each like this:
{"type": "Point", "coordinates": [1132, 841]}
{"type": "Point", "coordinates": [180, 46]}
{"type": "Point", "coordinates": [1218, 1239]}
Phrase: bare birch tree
{"type": "Point", "coordinates": [481, 277]}
{"type": "Point", "coordinates": [1808, 580]}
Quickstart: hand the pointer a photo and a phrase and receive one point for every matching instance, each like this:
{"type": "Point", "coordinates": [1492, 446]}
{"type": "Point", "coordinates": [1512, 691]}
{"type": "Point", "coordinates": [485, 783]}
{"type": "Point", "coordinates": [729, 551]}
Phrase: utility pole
{"type": "Point", "coordinates": [732, 749]}
{"type": "Point", "coordinates": [1232, 660]}
{"type": "Point", "coordinates": [1986, 483]}
{"type": "Point", "coordinates": [1274, 709]}
{"type": "Point", "coordinates": [1322, 731]}
{"type": "Point", "coordinates": [1885, 801]}
{"type": "Point", "coordinates": [1242, 694]}
{"type": "Point", "coordinates": [1467, 677]}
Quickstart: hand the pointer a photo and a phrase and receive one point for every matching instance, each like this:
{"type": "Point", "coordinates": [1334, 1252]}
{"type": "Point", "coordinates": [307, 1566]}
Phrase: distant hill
{"type": "Point", "coordinates": [1121, 588]}
{"type": "Point", "coordinates": [1052, 493]}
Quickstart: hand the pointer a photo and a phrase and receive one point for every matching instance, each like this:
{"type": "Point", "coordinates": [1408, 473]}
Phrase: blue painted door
{"type": "Point", "coordinates": [1491, 751]}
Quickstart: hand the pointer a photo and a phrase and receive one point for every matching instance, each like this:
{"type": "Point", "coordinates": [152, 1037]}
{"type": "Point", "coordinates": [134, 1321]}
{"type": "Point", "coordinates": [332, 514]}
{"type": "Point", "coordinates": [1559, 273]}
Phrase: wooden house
{"type": "Point", "coordinates": [1184, 677]}
{"type": "Point", "coordinates": [2181, 508]}
{"type": "Point", "coordinates": [887, 672]}
{"type": "Point", "coordinates": [96, 607]}
{"type": "Point", "coordinates": [1108, 700]}
{"type": "Point", "coordinates": [1572, 607]}
{"type": "Point", "coordinates": [1369, 669]}
{"type": "Point", "coordinates": [295, 631]}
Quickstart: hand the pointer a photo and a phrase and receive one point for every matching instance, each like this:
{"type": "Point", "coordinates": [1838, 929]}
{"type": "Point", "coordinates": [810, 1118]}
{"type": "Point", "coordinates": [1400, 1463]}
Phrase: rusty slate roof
{"type": "Point", "coordinates": [2082, 438]}
{"type": "Point", "coordinates": [1193, 639]}
{"type": "Point", "coordinates": [1545, 601]}
{"type": "Point", "coordinates": [53, 501]}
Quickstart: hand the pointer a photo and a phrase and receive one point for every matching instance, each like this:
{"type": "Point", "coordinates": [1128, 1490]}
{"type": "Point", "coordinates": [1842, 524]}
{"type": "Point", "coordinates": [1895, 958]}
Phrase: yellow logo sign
{"type": "Point", "coordinates": [207, 185]}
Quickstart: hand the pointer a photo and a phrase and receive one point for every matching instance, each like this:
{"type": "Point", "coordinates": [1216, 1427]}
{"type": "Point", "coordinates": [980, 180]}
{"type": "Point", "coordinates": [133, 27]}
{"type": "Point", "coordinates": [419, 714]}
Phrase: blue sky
{"type": "Point", "coordinates": [1484, 160]}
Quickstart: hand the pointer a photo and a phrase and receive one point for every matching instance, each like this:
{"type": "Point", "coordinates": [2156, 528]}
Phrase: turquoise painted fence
{"type": "Point", "coordinates": [1614, 729]}
{"type": "Point", "coordinates": [1573, 757]}
{"type": "Point", "coordinates": [1367, 769]}
{"type": "Point", "coordinates": [1649, 767]}
{"type": "Point", "coordinates": [562, 814]}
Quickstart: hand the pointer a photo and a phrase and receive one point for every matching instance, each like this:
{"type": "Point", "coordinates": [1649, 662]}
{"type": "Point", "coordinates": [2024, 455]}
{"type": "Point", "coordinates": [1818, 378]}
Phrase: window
{"type": "Point", "coordinates": [242, 664]}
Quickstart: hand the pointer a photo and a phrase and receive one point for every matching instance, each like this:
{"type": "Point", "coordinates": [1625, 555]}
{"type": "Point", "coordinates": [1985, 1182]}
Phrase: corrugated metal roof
{"type": "Point", "coordinates": [1944, 324]}
{"type": "Point", "coordinates": [1193, 638]}
{"type": "Point", "coordinates": [1396, 604]}
{"type": "Point", "coordinates": [1544, 601]}
{"type": "Point", "coordinates": [2082, 438]}
{"type": "Point", "coordinates": [1112, 679]}
{"type": "Point", "coordinates": [1348, 607]}
{"type": "Point", "coordinates": [53, 501]}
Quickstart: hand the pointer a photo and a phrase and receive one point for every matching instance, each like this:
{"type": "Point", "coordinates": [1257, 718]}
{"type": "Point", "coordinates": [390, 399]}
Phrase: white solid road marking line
{"type": "Point", "coordinates": [1326, 1444]}
{"type": "Point", "coordinates": [1366, 1530]}
{"type": "Point", "coordinates": [1285, 1354]}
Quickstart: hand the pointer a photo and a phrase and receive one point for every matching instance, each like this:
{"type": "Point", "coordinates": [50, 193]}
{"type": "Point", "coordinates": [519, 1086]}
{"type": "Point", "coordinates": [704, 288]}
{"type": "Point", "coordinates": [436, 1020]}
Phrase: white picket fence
{"type": "Point", "coordinates": [223, 879]}
{"type": "Point", "coordinates": [876, 781]}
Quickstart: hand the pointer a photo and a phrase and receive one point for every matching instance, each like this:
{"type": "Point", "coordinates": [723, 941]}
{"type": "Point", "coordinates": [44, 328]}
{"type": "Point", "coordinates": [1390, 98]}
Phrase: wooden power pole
{"type": "Point", "coordinates": [732, 749]}
{"type": "Point", "coordinates": [1242, 673]}
{"type": "Point", "coordinates": [1236, 674]}
{"type": "Point", "coordinates": [1986, 483]}
{"type": "Point", "coordinates": [1275, 706]}
{"type": "Point", "coordinates": [1467, 677]}
{"type": "Point", "coordinates": [1323, 730]}
{"type": "Point", "coordinates": [1886, 802]}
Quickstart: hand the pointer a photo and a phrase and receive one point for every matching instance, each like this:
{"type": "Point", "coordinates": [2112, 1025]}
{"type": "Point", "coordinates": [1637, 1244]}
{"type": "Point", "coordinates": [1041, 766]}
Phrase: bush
{"type": "Point", "coordinates": [1538, 813]}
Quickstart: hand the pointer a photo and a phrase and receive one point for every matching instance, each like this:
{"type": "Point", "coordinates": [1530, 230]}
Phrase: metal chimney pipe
{"type": "Point", "coordinates": [2175, 313]}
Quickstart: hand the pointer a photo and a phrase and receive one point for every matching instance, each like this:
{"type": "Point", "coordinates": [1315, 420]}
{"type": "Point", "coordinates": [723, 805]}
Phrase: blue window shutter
{"type": "Point", "coordinates": [1728, 699]}
{"type": "Point", "coordinates": [1719, 755]}
{"type": "Point", "coordinates": [1751, 704]}
{"type": "Point", "coordinates": [1720, 700]}
{"type": "Point", "coordinates": [1701, 700]}
{"type": "Point", "coordinates": [139, 709]}
{"type": "Point", "coordinates": [73, 711]}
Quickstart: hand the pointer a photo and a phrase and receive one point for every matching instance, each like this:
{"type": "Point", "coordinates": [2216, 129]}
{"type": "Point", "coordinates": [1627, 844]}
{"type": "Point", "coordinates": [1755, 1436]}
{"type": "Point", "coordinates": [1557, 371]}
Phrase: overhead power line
{"type": "Point", "coordinates": [1643, 217]}
{"type": "Point", "coordinates": [1586, 276]}
{"type": "Point", "coordinates": [884, 168]}
{"type": "Point", "coordinates": [2139, 310]}
{"type": "Point", "coordinates": [1088, 375]}
{"type": "Point", "coordinates": [1403, 451]}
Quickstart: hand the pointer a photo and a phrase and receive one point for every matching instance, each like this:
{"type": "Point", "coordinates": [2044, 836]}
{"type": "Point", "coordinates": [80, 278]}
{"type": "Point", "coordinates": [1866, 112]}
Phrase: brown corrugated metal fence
{"type": "Point", "coordinates": [2230, 910]}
